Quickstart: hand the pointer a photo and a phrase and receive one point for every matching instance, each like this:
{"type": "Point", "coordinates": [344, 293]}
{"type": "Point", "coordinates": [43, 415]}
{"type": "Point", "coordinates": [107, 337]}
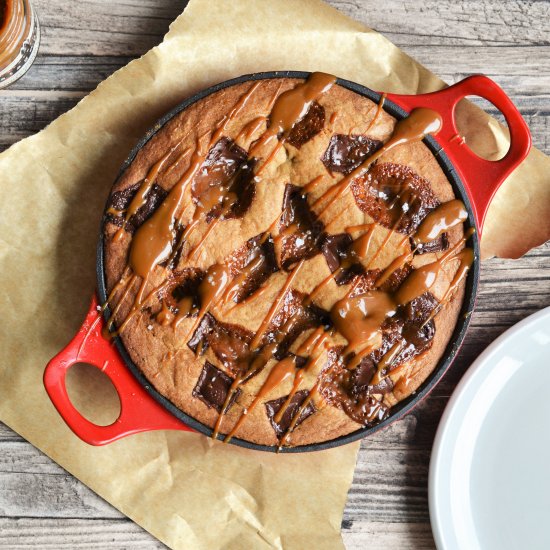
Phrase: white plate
{"type": "Point", "coordinates": [489, 483]}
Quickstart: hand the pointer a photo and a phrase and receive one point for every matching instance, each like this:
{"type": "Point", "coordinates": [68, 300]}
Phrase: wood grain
{"type": "Point", "coordinates": [41, 505]}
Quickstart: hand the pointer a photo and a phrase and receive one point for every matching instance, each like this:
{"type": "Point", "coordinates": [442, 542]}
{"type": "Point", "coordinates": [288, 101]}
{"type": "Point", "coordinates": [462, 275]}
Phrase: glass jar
{"type": "Point", "coordinates": [19, 39]}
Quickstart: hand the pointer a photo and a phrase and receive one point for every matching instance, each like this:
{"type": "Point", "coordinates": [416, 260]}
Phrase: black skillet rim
{"type": "Point", "coordinates": [403, 407]}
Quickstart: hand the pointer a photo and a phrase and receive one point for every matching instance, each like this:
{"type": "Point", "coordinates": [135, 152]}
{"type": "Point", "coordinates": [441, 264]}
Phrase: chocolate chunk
{"type": "Point", "coordinates": [183, 284]}
{"type": "Point", "coordinates": [305, 231]}
{"type": "Point", "coordinates": [361, 376]}
{"type": "Point", "coordinates": [418, 310]}
{"type": "Point", "coordinates": [350, 390]}
{"type": "Point", "coordinates": [396, 279]}
{"type": "Point", "coordinates": [200, 336]}
{"type": "Point", "coordinates": [345, 153]}
{"type": "Point", "coordinates": [394, 196]}
{"type": "Point", "coordinates": [409, 327]}
{"type": "Point", "coordinates": [253, 261]}
{"type": "Point", "coordinates": [122, 199]}
{"type": "Point", "coordinates": [174, 260]}
{"type": "Point", "coordinates": [299, 361]}
{"type": "Point", "coordinates": [384, 386]}
{"type": "Point", "coordinates": [437, 245]}
{"type": "Point", "coordinates": [229, 343]}
{"type": "Point", "coordinates": [274, 406]}
{"type": "Point", "coordinates": [308, 126]}
{"type": "Point", "coordinates": [213, 386]}
{"type": "Point", "coordinates": [292, 319]}
{"type": "Point", "coordinates": [225, 182]}
{"type": "Point", "coordinates": [418, 339]}
{"type": "Point", "coordinates": [364, 282]}
{"type": "Point", "coordinates": [337, 252]}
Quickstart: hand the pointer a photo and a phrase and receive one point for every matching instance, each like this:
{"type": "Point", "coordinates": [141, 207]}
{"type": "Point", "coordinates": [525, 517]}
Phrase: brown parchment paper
{"type": "Point", "coordinates": [183, 488]}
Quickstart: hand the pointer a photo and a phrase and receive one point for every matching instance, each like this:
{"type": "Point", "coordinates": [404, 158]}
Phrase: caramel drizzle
{"type": "Point", "coordinates": [290, 107]}
{"type": "Point", "coordinates": [141, 196]}
{"type": "Point", "coordinates": [275, 306]}
{"type": "Point", "coordinates": [277, 375]}
{"type": "Point", "coordinates": [257, 365]}
{"type": "Point", "coordinates": [315, 352]}
{"type": "Point", "coordinates": [419, 286]}
{"type": "Point", "coordinates": [440, 220]}
{"type": "Point", "coordinates": [313, 393]}
{"type": "Point", "coordinates": [251, 128]}
{"type": "Point", "coordinates": [280, 372]}
{"type": "Point", "coordinates": [261, 290]}
{"type": "Point", "coordinates": [423, 278]}
{"type": "Point", "coordinates": [153, 243]}
{"type": "Point", "coordinates": [414, 128]}
{"type": "Point", "coordinates": [378, 112]}
{"type": "Point", "coordinates": [409, 133]}
{"type": "Point", "coordinates": [309, 187]}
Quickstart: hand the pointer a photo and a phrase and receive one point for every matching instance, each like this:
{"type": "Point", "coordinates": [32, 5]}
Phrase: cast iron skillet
{"type": "Point", "coordinates": [474, 181]}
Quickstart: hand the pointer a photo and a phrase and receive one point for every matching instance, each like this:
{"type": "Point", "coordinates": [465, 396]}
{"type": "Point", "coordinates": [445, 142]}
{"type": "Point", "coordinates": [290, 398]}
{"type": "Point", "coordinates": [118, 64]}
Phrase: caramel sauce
{"type": "Point", "coordinates": [14, 28]}
{"type": "Point", "coordinates": [165, 317]}
{"type": "Point", "coordinates": [378, 112]}
{"type": "Point", "coordinates": [358, 317]}
{"type": "Point", "coordinates": [423, 278]}
{"type": "Point", "coordinates": [384, 243]}
{"type": "Point", "coordinates": [251, 128]}
{"type": "Point", "coordinates": [313, 184]}
{"type": "Point", "coordinates": [141, 196]}
{"type": "Point", "coordinates": [314, 351]}
{"type": "Point", "coordinates": [298, 378]}
{"type": "Point", "coordinates": [415, 127]}
{"type": "Point", "coordinates": [261, 290]}
{"type": "Point", "coordinates": [278, 374]}
{"type": "Point", "coordinates": [293, 104]}
{"type": "Point", "coordinates": [386, 360]}
{"type": "Point", "coordinates": [313, 393]}
{"type": "Point", "coordinates": [275, 306]}
{"type": "Point", "coordinates": [362, 244]}
{"type": "Point", "coordinates": [249, 270]}
{"type": "Point", "coordinates": [152, 242]}
{"type": "Point", "coordinates": [440, 220]}
{"type": "Point", "coordinates": [258, 363]}
{"type": "Point", "coordinates": [114, 212]}
{"type": "Point", "coordinates": [396, 264]}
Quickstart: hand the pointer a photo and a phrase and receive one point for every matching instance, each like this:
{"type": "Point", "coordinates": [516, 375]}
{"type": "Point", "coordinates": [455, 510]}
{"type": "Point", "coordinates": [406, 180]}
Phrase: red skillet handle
{"type": "Point", "coordinates": [481, 177]}
{"type": "Point", "coordinates": [139, 412]}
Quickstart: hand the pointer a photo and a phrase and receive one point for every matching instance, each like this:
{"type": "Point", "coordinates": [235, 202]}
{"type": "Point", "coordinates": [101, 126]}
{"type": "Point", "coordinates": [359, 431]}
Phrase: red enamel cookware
{"type": "Point", "coordinates": [474, 180]}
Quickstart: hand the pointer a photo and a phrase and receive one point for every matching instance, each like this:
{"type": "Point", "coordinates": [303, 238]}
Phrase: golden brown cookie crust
{"type": "Point", "coordinates": [161, 352]}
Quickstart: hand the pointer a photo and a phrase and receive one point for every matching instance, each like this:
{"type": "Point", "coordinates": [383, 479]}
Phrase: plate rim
{"type": "Point", "coordinates": [480, 364]}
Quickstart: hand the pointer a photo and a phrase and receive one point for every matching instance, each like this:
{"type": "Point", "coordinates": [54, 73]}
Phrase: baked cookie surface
{"type": "Point", "coordinates": [278, 267]}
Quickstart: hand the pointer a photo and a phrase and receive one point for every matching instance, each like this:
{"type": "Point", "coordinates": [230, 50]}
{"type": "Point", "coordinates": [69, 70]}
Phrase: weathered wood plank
{"type": "Point", "coordinates": [465, 23]}
{"type": "Point", "coordinates": [88, 27]}
{"type": "Point", "coordinates": [386, 535]}
{"type": "Point", "coordinates": [68, 72]}
{"type": "Point", "coordinates": [50, 495]}
{"type": "Point", "coordinates": [69, 534]}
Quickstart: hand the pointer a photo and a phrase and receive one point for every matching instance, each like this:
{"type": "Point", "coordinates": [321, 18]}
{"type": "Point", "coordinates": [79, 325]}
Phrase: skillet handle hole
{"type": "Point", "coordinates": [489, 141]}
{"type": "Point", "coordinates": [93, 394]}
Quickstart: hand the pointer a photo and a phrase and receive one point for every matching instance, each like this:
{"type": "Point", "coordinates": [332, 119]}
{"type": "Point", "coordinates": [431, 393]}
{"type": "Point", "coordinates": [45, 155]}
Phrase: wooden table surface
{"type": "Point", "coordinates": [83, 42]}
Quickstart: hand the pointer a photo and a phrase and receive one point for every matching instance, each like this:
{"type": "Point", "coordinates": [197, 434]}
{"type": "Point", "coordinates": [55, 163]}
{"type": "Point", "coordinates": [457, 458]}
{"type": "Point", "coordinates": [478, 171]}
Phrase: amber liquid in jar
{"type": "Point", "coordinates": [19, 39]}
